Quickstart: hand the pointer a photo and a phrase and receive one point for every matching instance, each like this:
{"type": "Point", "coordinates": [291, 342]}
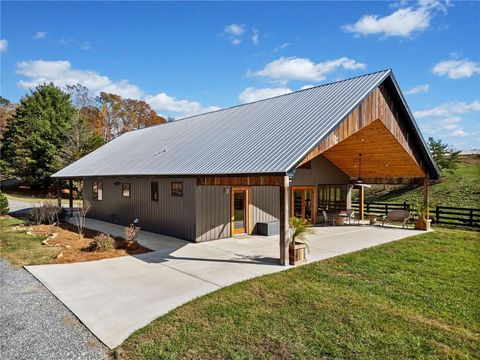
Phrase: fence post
{"type": "Point", "coordinates": [368, 207]}
{"type": "Point", "coordinates": [437, 213]}
{"type": "Point", "coordinates": [386, 209]}
{"type": "Point", "coordinates": [404, 205]}
{"type": "Point", "coordinates": [471, 217]}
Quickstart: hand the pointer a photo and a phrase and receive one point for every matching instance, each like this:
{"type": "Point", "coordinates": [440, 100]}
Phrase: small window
{"type": "Point", "coordinates": [177, 188]}
{"type": "Point", "coordinates": [97, 190]}
{"type": "Point", "coordinates": [154, 190]}
{"type": "Point", "coordinates": [126, 190]}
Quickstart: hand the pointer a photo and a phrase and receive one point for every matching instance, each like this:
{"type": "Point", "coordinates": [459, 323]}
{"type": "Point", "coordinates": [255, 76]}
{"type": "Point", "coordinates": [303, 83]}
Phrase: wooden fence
{"type": "Point", "coordinates": [448, 215]}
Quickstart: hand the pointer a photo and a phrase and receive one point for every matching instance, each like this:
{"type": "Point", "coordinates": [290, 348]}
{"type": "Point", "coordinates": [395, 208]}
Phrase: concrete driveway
{"type": "Point", "coordinates": [115, 297]}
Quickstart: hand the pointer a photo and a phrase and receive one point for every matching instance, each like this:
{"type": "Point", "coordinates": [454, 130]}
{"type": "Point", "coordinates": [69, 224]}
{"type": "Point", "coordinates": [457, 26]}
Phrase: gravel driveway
{"type": "Point", "coordinates": [36, 325]}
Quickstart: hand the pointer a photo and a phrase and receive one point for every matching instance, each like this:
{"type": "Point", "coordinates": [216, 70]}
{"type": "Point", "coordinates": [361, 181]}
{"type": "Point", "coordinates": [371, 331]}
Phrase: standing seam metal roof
{"type": "Point", "coordinates": [266, 136]}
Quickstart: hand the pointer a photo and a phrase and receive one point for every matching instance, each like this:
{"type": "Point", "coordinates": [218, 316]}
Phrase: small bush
{"type": "Point", "coordinates": [4, 208]}
{"type": "Point", "coordinates": [44, 214]}
{"type": "Point", "coordinates": [102, 242]}
{"type": "Point", "coordinates": [131, 232]}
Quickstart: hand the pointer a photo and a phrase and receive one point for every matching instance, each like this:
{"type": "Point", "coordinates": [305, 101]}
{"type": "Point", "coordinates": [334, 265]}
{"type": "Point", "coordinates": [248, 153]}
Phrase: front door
{"type": "Point", "coordinates": [239, 211]}
{"type": "Point", "coordinates": [302, 203]}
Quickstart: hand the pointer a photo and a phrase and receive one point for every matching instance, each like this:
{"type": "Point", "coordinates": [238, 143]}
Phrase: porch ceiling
{"type": "Point", "coordinates": [382, 155]}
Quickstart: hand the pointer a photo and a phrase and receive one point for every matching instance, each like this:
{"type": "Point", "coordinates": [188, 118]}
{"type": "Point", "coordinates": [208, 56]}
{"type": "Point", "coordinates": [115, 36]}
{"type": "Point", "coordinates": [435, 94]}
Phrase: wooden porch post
{"type": "Point", "coordinates": [284, 224]}
{"type": "Point", "coordinates": [426, 196]}
{"type": "Point", "coordinates": [59, 192]}
{"type": "Point", "coordinates": [361, 202]}
{"type": "Point", "coordinates": [70, 193]}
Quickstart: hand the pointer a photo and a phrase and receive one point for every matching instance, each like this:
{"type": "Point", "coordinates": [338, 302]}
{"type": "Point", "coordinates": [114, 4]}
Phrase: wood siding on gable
{"type": "Point", "coordinates": [378, 105]}
{"type": "Point", "coordinates": [170, 215]}
{"type": "Point", "coordinates": [321, 171]}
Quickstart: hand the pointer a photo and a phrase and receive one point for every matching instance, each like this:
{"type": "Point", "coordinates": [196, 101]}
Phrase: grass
{"type": "Point", "coordinates": [23, 249]}
{"type": "Point", "coordinates": [415, 298]}
{"type": "Point", "coordinates": [460, 188]}
{"type": "Point", "coordinates": [39, 199]}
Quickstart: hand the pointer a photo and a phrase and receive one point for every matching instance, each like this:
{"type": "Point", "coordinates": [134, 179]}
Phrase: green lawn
{"type": "Point", "coordinates": [22, 249]}
{"type": "Point", "coordinates": [460, 188]}
{"type": "Point", "coordinates": [415, 298]}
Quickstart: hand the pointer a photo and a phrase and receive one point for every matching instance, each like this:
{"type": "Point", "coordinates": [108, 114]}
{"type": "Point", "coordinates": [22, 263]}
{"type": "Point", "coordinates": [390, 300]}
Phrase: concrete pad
{"type": "Point", "coordinates": [115, 297]}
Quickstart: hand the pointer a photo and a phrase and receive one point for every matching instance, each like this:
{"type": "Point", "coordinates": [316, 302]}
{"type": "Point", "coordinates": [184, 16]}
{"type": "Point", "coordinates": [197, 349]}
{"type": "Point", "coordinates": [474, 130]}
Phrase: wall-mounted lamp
{"type": "Point", "coordinates": [226, 189]}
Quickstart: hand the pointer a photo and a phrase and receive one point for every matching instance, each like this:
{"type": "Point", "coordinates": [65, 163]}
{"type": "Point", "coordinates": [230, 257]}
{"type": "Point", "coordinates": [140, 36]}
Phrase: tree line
{"type": "Point", "coordinates": [52, 127]}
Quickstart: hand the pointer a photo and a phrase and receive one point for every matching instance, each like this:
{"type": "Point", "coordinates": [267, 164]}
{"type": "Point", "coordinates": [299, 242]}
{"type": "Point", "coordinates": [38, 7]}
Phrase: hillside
{"type": "Point", "coordinates": [460, 188]}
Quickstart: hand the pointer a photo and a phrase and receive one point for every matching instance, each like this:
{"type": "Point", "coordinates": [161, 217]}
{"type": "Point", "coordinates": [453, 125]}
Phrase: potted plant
{"type": "Point", "coordinates": [296, 250]}
{"type": "Point", "coordinates": [421, 221]}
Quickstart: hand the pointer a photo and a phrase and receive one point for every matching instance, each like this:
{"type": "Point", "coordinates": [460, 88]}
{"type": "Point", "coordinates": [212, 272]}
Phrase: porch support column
{"type": "Point", "coordinates": [70, 193]}
{"type": "Point", "coordinates": [59, 192]}
{"type": "Point", "coordinates": [361, 202]}
{"type": "Point", "coordinates": [284, 224]}
{"type": "Point", "coordinates": [426, 197]}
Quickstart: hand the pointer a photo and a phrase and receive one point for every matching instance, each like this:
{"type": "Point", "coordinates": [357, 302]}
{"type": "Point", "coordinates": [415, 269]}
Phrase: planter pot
{"type": "Point", "coordinates": [422, 224]}
{"type": "Point", "coordinates": [296, 253]}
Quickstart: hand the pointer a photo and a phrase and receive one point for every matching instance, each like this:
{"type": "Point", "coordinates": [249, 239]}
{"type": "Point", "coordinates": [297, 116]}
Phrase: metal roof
{"type": "Point", "coordinates": [268, 136]}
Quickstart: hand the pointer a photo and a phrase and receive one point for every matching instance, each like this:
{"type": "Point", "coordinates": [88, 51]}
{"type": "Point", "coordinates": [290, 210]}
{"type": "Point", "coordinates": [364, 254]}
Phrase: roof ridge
{"type": "Point", "coordinates": [273, 97]}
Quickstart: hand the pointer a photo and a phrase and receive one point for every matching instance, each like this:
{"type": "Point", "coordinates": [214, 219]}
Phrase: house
{"type": "Point", "coordinates": [219, 174]}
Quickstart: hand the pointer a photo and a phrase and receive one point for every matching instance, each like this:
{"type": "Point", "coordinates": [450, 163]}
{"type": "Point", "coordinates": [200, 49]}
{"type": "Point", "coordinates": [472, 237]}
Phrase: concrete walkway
{"type": "Point", "coordinates": [115, 297]}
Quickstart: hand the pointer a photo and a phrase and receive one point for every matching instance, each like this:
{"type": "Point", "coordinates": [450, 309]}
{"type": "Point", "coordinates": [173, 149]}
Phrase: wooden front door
{"type": "Point", "coordinates": [303, 204]}
{"type": "Point", "coordinates": [239, 211]}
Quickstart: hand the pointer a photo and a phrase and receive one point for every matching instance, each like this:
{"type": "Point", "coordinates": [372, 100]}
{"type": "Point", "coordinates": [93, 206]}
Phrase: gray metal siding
{"type": "Point", "coordinates": [322, 171]}
{"type": "Point", "coordinates": [267, 136]}
{"type": "Point", "coordinates": [170, 215]}
{"type": "Point", "coordinates": [265, 204]}
{"type": "Point", "coordinates": [213, 213]}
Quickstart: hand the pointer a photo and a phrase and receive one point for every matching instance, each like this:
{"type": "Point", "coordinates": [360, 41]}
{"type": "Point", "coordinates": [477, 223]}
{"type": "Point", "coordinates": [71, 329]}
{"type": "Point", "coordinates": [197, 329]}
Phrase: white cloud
{"type": "Point", "coordinates": [255, 36]}
{"type": "Point", "coordinates": [3, 45]}
{"type": "Point", "coordinates": [235, 29]}
{"type": "Point", "coordinates": [418, 89]}
{"type": "Point", "coordinates": [164, 103]}
{"type": "Point", "coordinates": [403, 22]}
{"type": "Point", "coordinates": [234, 33]}
{"type": "Point", "coordinates": [293, 68]}
{"type": "Point", "coordinates": [460, 133]}
{"type": "Point", "coordinates": [281, 47]}
{"type": "Point", "coordinates": [449, 109]}
{"type": "Point", "coordinates": [307, 86]}
{"type": "Point", "coordinates": [39, 35]}
{"type": "Point", "coordinates": [253, 94]}
{"type": "Point", "coordinates": [82, 44]}
{"type": "Point", "coordinates": [456, 69]}
{"type": "Point", "coordinates": [61, 74]}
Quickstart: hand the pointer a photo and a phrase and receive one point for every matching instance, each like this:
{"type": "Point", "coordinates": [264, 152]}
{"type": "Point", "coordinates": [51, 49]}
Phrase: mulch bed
{"type": "Point", "coordinates": [73, 246]}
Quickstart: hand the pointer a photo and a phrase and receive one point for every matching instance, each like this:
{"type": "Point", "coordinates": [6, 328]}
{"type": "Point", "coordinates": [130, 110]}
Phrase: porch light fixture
{"type": "Point", "coordinates": [359, 179]}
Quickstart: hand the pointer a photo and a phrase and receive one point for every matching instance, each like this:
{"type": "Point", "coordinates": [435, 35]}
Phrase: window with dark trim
{"type": "Point", "coordinates": [97, 190]}
{"type": "Point", "coordinates": [154, 190]}
{"type": "Point", "coordinates": [177, 188]}
{"type": "Point", "coordinates": [126, 190]}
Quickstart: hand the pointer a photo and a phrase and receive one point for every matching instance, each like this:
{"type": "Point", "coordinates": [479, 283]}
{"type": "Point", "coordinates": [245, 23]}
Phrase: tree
{"type": "Point", "coordinates": [444, 155]}
{"type": "Point", "coordinates": [7, 111]}
{"type": "Point", "coordinates": [122, 115]}
{"type": "Point", "coordinates": [35, 134]}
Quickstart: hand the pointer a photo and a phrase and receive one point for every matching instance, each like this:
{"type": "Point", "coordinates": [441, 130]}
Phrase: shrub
{"type": "Point", "coordinates": [79, 215]}
{"type": "Point", "coordinates": [44, 214]}
{"type": "Point", "coordinates": [4, 208]}
{"type": "Point", "coordinates": [102, 242]}
{"type": "Point", "coordinates": [131, 232]}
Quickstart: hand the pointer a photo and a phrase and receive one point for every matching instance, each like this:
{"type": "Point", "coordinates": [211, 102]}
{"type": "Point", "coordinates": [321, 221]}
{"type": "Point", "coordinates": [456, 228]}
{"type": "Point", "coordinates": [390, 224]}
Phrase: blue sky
{"type": "Point", "coordinates": [184, 58]}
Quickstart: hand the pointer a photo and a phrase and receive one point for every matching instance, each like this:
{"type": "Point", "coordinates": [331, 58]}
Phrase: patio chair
{"type": "Point", "coordinates": [328, 219]}
{"type": "Point", "coordinates": [397, 216]}
{"type": "Point", "coordinates": [351, 216]}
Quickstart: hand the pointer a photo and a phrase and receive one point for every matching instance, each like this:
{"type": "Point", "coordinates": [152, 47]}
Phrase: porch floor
{"type": "Point", "coordinates": [115, 297]}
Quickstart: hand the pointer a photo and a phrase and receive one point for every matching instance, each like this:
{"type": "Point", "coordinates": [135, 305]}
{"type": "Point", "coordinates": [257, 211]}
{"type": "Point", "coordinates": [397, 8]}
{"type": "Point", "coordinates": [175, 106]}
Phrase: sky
{"type": "Point", "coordinates": [185, 58]}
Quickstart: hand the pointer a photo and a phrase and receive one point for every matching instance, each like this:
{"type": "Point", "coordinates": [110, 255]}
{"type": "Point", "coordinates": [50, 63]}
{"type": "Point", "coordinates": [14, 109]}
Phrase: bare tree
{"type": "Point", "coordinates": [80, 214]}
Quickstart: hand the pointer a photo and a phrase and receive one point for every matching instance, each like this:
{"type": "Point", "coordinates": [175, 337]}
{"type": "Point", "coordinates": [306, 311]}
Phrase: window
{"type": "Point", "coordinates": [126, 190]}
{"type": "Point", "coordinates": [154, 190]}
{"type": "Point", "coordinates": [332, 197]}
{"type": "Point", "coordinates": [97, 190]}
{"type": "Point", "coordinates": [177, 188]}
